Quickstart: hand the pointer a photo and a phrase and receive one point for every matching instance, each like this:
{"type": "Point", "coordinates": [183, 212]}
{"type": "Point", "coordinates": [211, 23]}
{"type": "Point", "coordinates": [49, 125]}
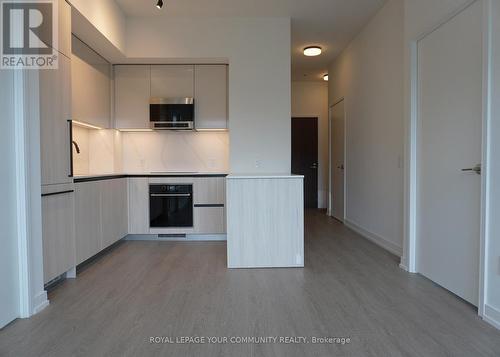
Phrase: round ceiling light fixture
{"type": "Point", "coordinates": [312, 51]}
{"type": "Point", "coordinates": [325, 77]}
{"type": "Point", "coordinates": [159, 4]}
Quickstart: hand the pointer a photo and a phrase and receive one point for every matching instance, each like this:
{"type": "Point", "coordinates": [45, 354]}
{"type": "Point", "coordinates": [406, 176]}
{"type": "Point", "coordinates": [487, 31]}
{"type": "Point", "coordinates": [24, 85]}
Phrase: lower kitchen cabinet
{"type": "Point", "coordinates": [209, 220]}
{"type": "Point", "coordinates": [138, 206]}
{"type": "Point", "coordinates": [114, 211]}
{"type": "Point", "coordinates": [87, 220]}
{"type": "Point", "coordinates": [58, 234]}
{"type": "Point", "coordinates": [101, 217]}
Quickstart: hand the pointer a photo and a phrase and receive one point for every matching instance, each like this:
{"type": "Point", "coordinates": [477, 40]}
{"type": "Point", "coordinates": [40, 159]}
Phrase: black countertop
{"type": "Point", "coordinates": [88, 178]}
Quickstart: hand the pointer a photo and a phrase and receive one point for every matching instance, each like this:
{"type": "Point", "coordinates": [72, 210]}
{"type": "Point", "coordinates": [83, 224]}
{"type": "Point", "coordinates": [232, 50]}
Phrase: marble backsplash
{"type": "Point", "coordinates": [175, 151]}
{"type": "Point", "coordinates": [111, 151]}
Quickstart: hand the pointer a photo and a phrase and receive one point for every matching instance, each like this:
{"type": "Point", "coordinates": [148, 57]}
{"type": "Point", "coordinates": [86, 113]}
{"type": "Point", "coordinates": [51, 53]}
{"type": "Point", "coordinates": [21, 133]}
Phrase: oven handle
{"type": "Point", "coordinates": [170, 194]}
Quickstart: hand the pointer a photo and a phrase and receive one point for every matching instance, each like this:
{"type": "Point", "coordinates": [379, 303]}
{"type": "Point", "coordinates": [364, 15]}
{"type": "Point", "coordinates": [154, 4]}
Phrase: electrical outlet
{"type": "Point", "coordinates": [257, 164]}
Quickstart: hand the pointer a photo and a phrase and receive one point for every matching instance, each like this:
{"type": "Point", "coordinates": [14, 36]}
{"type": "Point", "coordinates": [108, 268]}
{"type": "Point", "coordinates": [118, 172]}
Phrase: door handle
{"type": "Point", "coordinates": [170, 195]}
{"type": "Point", "coordinates": [476, 169]}
{"type": "Point", "coordinates": [70, 128]}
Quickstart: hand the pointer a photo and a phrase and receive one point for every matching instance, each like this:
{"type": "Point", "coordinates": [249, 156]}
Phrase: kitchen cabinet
{"type": "Point", "coordinates": [138, 206]}
{"type": "Point", "coordinates": [209, 190]}
{"type": "Point", "coordinates": [135, 84]}
{"type": "Point", "coordinates": [114, 211]}
{"type": "Point", "coordinates": [101, 216]}
{"type": "Point", "coordinates": [211, 109]}
{"type": "Point", "coordinates": [87, 220]}
{"type": "Point", "coordinates": [90, 86]}
{"type": "Point", "coordinates": [132, 93]}
{"type": "Point", "coordinates": [209, 220]}
{"type": "Point", "coordinates": [64, 27]}
{"type": "Point", "coordinates": [172, 81]}
{"type": "Point", "coordinates": [55, 111]}
{"type": "Point", "coordinates": [58, 233]}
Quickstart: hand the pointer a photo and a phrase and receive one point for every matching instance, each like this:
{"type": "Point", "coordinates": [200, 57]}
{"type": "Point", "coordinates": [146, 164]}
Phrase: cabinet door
{"type": "Point", "coordinates": [210, 190]}
{"type": "Point", "coordinates": [138, 199]}
{"type": "Point", "coordinates": [209, 220]}
{"type": "Point", "coordinates": [132, 92]}
{"type": "Point", "coordinates": [172, 81]}
{"type": "Point", "coordinates": [87, 220]}
{"type": "Point", "coordinates": [55, 110]}
{"type": "Point", "coordinates": [114, 211]}
{"type": "Point", "coordinates": [211, 97]}
{"type": "Point", "coordinates": [58, 234]}
{"type": "Point", "coordinates": [64, 28]}
{"type": "Point", "coordinates": [90, 86]}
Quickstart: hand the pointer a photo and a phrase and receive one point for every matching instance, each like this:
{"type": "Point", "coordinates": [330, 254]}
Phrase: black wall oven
{"type": "Point", "coordinates": [170, 206]}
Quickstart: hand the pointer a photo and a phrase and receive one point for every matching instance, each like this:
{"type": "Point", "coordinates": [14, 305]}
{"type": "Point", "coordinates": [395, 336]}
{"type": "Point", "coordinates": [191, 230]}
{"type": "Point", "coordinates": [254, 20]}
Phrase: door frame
{"type": "Point", "coordinates": [330, 166]}
{"type": "Point", "coordinates": [409, 260]}
{"type": "Point", "coordinates": [317, 117]}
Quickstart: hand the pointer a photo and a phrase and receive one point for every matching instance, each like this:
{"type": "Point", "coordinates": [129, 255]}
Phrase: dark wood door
{"type": "Point", "coordinates": [305, 157]}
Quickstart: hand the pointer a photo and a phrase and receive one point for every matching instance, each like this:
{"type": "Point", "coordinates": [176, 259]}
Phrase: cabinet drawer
{"type": "Point", "coordinates": [210, 190]}
{"type": "Point", "coordinates": [209, 220]}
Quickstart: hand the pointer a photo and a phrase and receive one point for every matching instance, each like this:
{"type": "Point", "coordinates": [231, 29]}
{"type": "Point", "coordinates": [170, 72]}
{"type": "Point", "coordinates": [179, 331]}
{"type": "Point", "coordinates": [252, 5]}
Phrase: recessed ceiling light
{"type": "Point", "coordinates": [325, 77]}
{"type": "Point", "coordinates": [159, 4]}
{"type": "Point", "coordinates": [312, 51]}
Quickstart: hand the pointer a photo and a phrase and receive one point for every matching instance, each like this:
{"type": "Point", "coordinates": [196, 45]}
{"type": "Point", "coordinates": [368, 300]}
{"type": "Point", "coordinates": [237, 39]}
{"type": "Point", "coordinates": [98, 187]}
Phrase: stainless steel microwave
{"type": "Point", "coordinates": [171, 113]}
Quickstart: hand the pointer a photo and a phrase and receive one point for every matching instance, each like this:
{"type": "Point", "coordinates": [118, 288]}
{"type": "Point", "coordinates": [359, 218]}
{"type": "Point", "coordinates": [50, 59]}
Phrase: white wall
{"type": "Point", "coordinates": [310, 99]}
{"type": "Point", "coordinates": [106, 16]}
{"type": "Point", "coordinates": [9, 276]}
{"type": "Point", "coordinates": [492, 309]}
{"type": "Point", "coordinates": [258, 52]}
{"type": "Point", "coordinates": [369, 75]}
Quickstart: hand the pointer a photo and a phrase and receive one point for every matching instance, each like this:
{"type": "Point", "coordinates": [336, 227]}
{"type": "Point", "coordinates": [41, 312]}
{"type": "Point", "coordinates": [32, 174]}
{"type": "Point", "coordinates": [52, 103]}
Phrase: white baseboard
{"type": "Point", "coordinates": [492, 316]}
{"type": "Point", "coordinates": [378, 240]}
{"type": "Point", "coordinates": [40, 302]}
{"type": "Point", "coordinates": [189, 238]}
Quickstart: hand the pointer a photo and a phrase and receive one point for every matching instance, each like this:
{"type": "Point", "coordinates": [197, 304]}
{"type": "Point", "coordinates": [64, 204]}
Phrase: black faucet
{"type": "Point", "coordinates": [76, 146]}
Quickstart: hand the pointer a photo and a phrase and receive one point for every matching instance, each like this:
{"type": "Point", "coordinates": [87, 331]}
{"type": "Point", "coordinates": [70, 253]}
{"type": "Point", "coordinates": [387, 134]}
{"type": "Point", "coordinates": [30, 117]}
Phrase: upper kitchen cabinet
{"type": "Point", "coordinates": [211, 97]}
{"type": "Point", "coordinates": [172, 81]}
{"type": "Point", "coordinates": [90, 86]}
{"type": "Point", "coordinates": [55, 111]}
{"type": "Point", "coordinates": [132, 92]}
{"type": "Point", "coordinates": [64, 25]}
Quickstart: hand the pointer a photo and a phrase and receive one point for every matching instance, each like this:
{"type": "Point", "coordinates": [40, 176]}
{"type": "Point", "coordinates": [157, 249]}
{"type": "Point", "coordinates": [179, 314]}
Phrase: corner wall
{"type": "Point", "coordinates": [492, 276]}
{"type": "Point", "coordinates": [369, 75]}
{"type": "Point", "coordinates": [258, 52]}
{"type": "Point", "coordinates": [310, 99]}
{"type": "Point", "coordinates": [9, 272]}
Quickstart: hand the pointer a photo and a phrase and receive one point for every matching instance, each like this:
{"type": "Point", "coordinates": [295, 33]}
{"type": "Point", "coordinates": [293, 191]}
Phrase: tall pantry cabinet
{"type": "Point", "coordinates": [58, 232]}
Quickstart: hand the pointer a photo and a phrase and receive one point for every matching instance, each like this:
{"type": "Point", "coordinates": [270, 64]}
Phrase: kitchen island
{"type": "Point", "coordinates": [265, 221]}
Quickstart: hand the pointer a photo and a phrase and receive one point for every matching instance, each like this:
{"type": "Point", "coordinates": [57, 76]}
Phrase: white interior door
{"type": "Point", "coordinates": [450, 126]}
{"type": "Point", "coordinates": [337, 155]}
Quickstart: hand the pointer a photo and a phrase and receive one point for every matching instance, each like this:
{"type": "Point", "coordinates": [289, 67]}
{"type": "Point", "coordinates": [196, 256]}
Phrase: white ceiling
{"type": "Point", "coordinates": [328, 23]}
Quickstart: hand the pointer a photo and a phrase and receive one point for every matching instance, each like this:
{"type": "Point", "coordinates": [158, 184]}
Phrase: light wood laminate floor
{"type": "Point", "coordinates": [349, 288]}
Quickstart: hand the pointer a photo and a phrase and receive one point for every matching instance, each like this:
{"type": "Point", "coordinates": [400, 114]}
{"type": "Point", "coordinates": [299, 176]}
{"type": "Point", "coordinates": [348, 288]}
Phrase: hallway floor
{"type": "Point", "coordinates": [349, 288]}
